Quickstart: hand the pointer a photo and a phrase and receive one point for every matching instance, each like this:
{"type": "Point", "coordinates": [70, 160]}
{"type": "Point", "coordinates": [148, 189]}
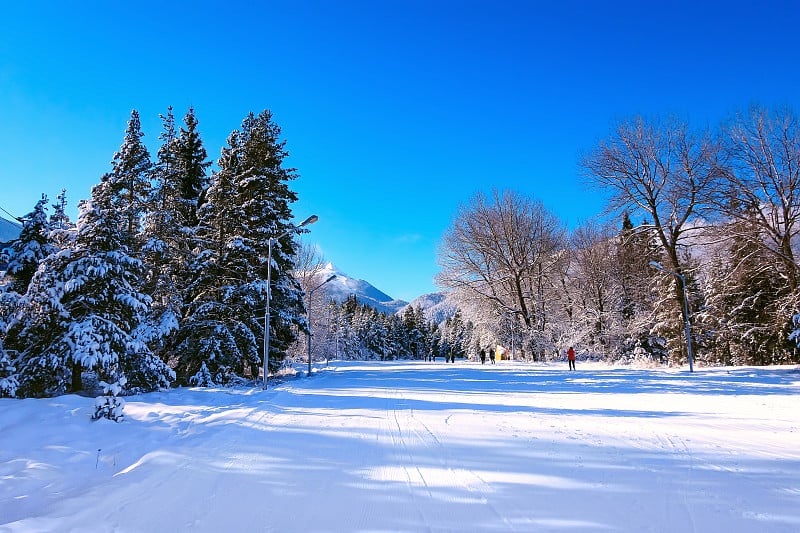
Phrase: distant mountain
{"type": "Point", "coordinates": [436, 306]}
{"type": "Point", "coordinates": [343, 286]}
{"type": "Point", "coordinates": [9, 231]}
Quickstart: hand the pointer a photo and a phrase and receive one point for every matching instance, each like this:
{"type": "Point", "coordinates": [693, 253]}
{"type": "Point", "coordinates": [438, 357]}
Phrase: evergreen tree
{"type": "Point", "coordinates": [433, 341]}
{"type": "Point", "coordinates": [348, 336]}
{"type": "Point", "coordinates": [129, 182]}
{"type": "Point", "coordinates": [247, 205]}
{"type": "Point", "coordinates": [62, 230]}
{"type": "Point", "coordinates": [456, 335]}
{"type": "Point", "coordinates": [192, 163]}
{"type": "Point", "coordinates": [395, 337]}
{"type": "Point", "coordinates": [636, 303]}
{"type": "Point", "coordinates": [31, 247]}
{"type": "Point", "coordinates": [59, 219]}
{"type": "Point", "coordinates": [8, 379]}
{"type": "Point", "coordinates": [414, 345]}
{"type": "Point", "coordinates": [743, 313]}
{"type": "Point", "coordinates": [166, 248]}
{"type": "Point", "coordinates": [170, 230]}
{"type": "Point", "coordinates": [82, 307]}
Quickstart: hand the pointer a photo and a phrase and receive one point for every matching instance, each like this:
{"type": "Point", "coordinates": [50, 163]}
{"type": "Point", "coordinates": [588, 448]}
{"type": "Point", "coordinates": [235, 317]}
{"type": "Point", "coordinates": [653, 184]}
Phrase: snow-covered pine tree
{"type": "Point", "coordinates": [433, 341]}
{"type": "Point", "coordinates": [30, 248]}
{"type": "Point", "coordinates": [395, 337]}
{"type": "Point", "coordinates": [82, 307]}
{"type": "Point", "coordinates": [455, 333]}
{"type": "Point", "coordinates": [166, 246]}
{"type": "Point", "coordinates": [744, 287]}
{"type": "Point", "coordinates": [8, 378]}
{"type": "Point", "coordinates": [35, 326]}
{"type": "Point", "coordinates": [202, 378]}
{"type": "Point", "coordinates": [794, 336]}
{"type": "Point", "coordinates": [246, 205]}
{"type": "Point", "coordinates": [373, 333]}
{"type": "Point", "coordinates": [635, 248]}
{"type": "Point", "coordinates": [169, 230]}
{"type": "Point", "coordinates": [414, 345]}
{"type": "Point", "coordinates": [110, 405]}
{"type": "Point", "coordinates": [192, 162]}
{"type": "Point", "coordinates": [129, 183]}
{"type": "Point", "coordinates": [348, 345]}
{"type": "Point", "coordinates": [62, 230]}
{"type": "Point", "coordinates": [59, 219]}
{"type": "Point", "coordinates": [263, 190]}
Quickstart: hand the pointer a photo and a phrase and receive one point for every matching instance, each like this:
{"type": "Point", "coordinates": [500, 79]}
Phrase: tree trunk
{"type": "Point", "coordinates": [77, 381]}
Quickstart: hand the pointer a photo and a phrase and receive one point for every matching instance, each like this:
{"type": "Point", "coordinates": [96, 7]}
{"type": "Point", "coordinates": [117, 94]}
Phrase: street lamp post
{"type": "Point", "coordinates": [306, 222]}
{"type": "Point", "coordinates": [681, 277]}
{"type": "Point", "coordinates": [308, 317]}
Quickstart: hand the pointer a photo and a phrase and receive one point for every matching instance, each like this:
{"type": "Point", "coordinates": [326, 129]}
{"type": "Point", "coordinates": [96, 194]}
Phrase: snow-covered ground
{"type": "Point", "coordinates": [407, 446]}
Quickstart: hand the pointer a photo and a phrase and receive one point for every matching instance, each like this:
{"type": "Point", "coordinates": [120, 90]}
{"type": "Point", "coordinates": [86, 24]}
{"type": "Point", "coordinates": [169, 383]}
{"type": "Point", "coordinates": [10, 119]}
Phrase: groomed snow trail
{"type": "Point", "coordinates": [418, 447]}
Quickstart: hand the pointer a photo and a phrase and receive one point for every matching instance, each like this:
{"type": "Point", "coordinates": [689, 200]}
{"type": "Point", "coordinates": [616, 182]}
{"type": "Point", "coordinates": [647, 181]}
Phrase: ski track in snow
{"type": "Point", "coordinates": [418, 445]}
{"type": "Point", "coordinates": [409, 446]}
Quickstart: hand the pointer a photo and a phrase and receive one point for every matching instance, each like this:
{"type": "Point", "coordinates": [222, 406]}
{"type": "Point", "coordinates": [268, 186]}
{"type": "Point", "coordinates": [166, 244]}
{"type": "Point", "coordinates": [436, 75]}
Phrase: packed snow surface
{"type": "Point", "coordinates": [410, 446]}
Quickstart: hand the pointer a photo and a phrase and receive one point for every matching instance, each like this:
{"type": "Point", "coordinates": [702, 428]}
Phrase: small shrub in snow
{"type": "Point", "coordinates": [110, 405]}
{"type": "Point", "coordinates": [203, 377]}
{"type": "Point", "coordinates": [8, 380]}
{"type": "Point", "coordinates": [795, 335]}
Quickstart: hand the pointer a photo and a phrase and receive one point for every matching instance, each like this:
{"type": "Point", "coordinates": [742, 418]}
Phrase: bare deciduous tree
{"type": "Point", "coordinates": [661, 170]}
{"type": "Point", "coordinates": [593, 279]}
{"type": "Point", "coordinates": [502, 251]}
{"type": "Point", "coordinates": [761, 187]}
{"type": "Point", "coordinates": [309, 271]}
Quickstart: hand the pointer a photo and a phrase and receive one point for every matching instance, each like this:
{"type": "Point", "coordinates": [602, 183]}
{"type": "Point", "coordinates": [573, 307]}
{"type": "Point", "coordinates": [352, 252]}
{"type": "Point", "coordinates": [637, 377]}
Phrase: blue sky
{"type": "Point", "coordinates": [394, 112]}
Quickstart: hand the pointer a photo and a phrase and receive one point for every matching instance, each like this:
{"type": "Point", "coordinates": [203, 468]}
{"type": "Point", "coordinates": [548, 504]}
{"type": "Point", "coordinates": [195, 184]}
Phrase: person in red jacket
{"type": "Point", "coordinates": [571, 358]}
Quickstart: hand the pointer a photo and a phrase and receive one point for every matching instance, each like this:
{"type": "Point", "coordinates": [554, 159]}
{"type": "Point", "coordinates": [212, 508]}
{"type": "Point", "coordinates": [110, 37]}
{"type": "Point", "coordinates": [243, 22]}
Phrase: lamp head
{"type": "Point", "coordinates": [309, 220]}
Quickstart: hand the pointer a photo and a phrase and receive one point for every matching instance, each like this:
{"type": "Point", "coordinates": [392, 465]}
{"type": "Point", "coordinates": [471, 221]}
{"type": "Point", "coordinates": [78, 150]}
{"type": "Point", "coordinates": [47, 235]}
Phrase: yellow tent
{"type": "Point", "coordinates": [502, 353]}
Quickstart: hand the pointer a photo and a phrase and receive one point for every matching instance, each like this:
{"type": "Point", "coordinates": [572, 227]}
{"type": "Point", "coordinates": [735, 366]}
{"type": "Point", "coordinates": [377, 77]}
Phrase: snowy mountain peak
{"type": "Point", "coordinates": [343, 286]}
{"type": "Point", "coordinates": [330, 269]}
{"type": "Point", "coordinates": [436, 306]}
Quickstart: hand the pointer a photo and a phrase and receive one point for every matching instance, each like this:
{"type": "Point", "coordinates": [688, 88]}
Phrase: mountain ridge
{"type": "Point", "coordinates": [343, 286]}
{"type": "Point", "coordinates": [436, 306]}
{"type": "Point", "coordinates": [9, 230]}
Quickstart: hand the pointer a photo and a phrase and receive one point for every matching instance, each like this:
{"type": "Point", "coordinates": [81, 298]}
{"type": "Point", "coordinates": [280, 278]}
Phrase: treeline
{"type": "Point", "coordinates": [714, 244]}
{"type": "Point", "coordinates": [353, 330]}
{"type": "Point", "coordinates": [162, 278]}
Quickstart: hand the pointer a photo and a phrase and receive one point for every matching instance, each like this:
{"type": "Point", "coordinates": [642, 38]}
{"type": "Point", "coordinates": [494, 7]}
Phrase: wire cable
{"type": "Point", "coordinates": [18, 219]}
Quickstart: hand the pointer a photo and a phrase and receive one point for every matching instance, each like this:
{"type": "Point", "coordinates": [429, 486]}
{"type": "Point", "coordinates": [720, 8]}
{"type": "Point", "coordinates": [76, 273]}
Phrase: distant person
{"type": "Point", "coordinates": [483, 357]}
{"type": "Point", "coordinates": [571, 358]}
{"type": "Point", "coordinates": [491, 356]}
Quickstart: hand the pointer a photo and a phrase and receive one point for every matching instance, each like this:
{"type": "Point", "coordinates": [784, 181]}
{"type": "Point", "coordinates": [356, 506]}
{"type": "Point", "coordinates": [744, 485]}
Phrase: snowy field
{"type": "Point", "coordinates": [380, 447]}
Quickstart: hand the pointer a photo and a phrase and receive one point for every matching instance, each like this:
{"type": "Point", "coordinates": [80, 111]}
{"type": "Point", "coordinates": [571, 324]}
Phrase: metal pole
{"type": "Point", "coordinates": [306, 222]}
{"type": "Point", "coordinates": [266, 313]}
{"type": "Point", "coordinates": [308, 315]}
{"type": "Point", "coordinates": [328, 338]}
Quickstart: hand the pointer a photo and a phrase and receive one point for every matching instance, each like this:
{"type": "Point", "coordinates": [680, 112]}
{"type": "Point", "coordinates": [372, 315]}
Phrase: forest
{"type": "Point", "coordinates": [162, 279]}
{"type": "Point", "coordinates": [700, 236]}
